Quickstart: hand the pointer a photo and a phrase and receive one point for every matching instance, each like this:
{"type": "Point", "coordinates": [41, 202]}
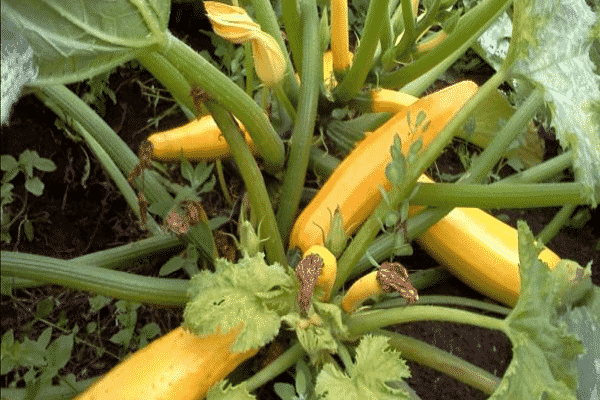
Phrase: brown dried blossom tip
{"type": "Point", "coordinates": [394, 277]}
{"type": "Point", "coordinates": [388, 278]}
{"type": "Point", "coordinates": [318, 267]}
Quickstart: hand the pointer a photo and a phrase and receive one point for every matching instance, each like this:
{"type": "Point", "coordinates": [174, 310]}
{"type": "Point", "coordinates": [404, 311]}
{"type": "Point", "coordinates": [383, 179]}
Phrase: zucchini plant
{"type": "Point", "coordinates": [378, 195]}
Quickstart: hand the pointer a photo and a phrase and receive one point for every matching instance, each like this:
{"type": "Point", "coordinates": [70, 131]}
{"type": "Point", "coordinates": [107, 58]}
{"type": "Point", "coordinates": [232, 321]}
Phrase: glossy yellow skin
{"type": "Point", "coordinates": [178, 366]}
{"type": "Point", "coordinates": [365, 287]}
{"type": "Point", "coordinates": [479, 249]}
{"type": "Point", "coordinates": [198, 140]}
{"type": "Point", "coordinates": [354, 185]}
{"type": "Point", "coordinates": [329, 271]}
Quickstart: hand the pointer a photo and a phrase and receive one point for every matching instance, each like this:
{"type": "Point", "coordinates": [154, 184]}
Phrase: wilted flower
{"type": "Point", "coordinates": [233, 23]}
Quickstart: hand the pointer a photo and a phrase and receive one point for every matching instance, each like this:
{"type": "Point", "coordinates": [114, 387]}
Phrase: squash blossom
{"type": "Point", "coordinates": [233, 23]}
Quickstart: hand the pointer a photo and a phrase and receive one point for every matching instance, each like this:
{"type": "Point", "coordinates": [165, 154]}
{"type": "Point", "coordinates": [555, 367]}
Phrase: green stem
{"type": "Point", "coordinates": [409, 36]}
{"type": "Point", "coordinates": [277, 367]}
{"type": "Point", "coordinates": [285, 102]}
{"type": "Point", "coordinates": [222, 183]}
{"type": "Point", "coordinates": [80, 276]}
{"type": "Point", "coordinates": [442, 361]}
{"type": "Point", "coordinates": [454, 301]}
{"type": "Point", "coordinates": [220, 88]}
{"type": "Point", "coordinates": [559, 220]}
{"type": "Point", "coordinates": [170, 78]}
{"type": "Point", "coordinates": [117, 150]}
{"type": "Point", "coordinates": [498, 196]}
{"type": "Point", "coordinates": [109, 165]}
{"type": "Point", "coordinates": [502, 140]}
{"type": "Point", "coordinates": [470, 26]}
{"type": "Point", "coordinates": [541, 172]}
{"type": "Point", "coordinates": [268, 23]}
{"type": "Point", "coordinates": [120, 257]}
{"type": "Point", "coordinates": [363, 59]}
{"type": "Point", "coordinates": [253, 179]}
{"type": "Point", "coordinates": [290, 15]}
{"type": "Point", "coordinates": [361, 322]}
{"type": "Point", "coordinates": [249, 66]}
{"type": "Point", "coordinates": [300, 142]}
{"type": "Point", "coordinates": [387, 34]}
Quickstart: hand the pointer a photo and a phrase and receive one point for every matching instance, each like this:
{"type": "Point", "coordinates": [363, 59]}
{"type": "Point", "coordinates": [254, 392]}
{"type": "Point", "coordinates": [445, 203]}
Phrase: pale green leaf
{"type": "Point", "coordinates": [75, 40]}
{"type": "Point", "coordinates": [375, 365]}
{"type": "Point", "coordinates": [552, 40]}
{"type": "Point", "coordinates": [249, 292]}
{"type": "Point", "coordinates": [544, 348]}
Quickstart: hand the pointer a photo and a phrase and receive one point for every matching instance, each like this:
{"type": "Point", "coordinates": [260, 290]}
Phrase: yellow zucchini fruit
{"type": "Point", "coordinates": [480, 250]}
{"type": "Point", "coordinates": [177, 366]}
{"type": "Point", "coordinates": [353, 186]}
{"type": "Point", "coordinates": [199, 140]}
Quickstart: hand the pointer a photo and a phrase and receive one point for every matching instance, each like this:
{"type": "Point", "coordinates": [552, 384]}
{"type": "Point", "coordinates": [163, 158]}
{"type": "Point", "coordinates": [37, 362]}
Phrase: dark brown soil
{"type": "Point", "coordinates": [78, 215]}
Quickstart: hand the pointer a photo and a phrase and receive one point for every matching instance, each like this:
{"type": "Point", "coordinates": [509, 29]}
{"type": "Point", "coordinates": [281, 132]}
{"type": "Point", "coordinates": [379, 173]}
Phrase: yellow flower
{"type": "Point", "coordinates": [233, 24]}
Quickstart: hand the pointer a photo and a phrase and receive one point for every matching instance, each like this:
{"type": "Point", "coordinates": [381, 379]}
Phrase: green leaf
{"type": "Point", "coordinates": [586, 327]}
{"type": "Point", "coordinates": [26, 160]}
{"type": "Point", "coordinates": [552, 41]}
{"type": "Point", "coordinates": [28, 228]}
{"type": "Point", "coordinates": [544, 349]}
{"type": "Point", "coordinates": [250, 291]}
{"type": "Point", "coordinates": [375, 365]}
{"type": "Point", "coordinates": [8, 162]}
{"type": "Point", "coordinates": [44, 164]}
{"type": "Point", "coordinates": [77, 40]}
{"type": "Point", "coordinates": [34, 185]}
{"type": "Point", "coordinates": [174, 264]}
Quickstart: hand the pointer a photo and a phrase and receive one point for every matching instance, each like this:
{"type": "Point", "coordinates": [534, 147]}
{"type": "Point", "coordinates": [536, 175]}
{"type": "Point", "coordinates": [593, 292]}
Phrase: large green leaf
{"type": "Point", "coordinates": [77, 39]}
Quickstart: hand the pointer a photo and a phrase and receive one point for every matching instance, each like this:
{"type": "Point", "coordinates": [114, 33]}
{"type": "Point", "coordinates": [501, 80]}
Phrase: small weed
{"type": "Point", "coordinates": [28, 161]}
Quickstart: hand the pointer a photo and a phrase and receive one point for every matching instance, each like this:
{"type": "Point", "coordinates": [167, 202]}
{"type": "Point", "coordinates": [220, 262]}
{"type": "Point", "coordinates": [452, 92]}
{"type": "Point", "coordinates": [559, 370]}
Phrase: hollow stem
{"type": "Point", "coordinates": [253, 180]}
{"type": "Point", "coordinates": [300, 142]}
{"type": "Point", "coordinates": [362, 322]}
{"type": "Point", "coordinates": [363, 59]}
{"type": "Point", "coordinates": [80, 276]}
{"type": "Point", "coordinates": [277, 367]}
{"type": "Point", "coordinates": [442, 361]}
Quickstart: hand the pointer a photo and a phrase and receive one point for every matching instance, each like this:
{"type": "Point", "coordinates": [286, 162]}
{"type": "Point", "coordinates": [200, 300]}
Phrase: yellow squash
{"type": "Point", "coordinates": [199, 140]}
{"type": "Point", "coordinates": [354, 185]}
{"type": "Point", "coordinates": [178, 366]}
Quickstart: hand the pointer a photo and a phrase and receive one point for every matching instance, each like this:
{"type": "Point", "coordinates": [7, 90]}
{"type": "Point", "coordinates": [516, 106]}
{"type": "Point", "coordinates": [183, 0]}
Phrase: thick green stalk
{"type": "Point", "coordinates": [117, 150]}
{"type": "Point", "coordinates": [363, 59]}
{"type": "Point", "coordinates": [109, 165]}
{"type": "Point", "coordinates": [410, 34]}
{"type": "Point", "coordinates": [80, 276]}
{"type": "Point", "coordinates": [498, 196]}
{"type": "Point", "coordinates": [361, 322]}
{"type": "Point", "coordinates": [442, 361]}
{"type": "Point", "coordinates": [253, 179]}
{"type": "Point", "coordinates": [268, 23]}
{"type": "Point", "coordinates": [219, 87]}
{"type": "Point", "coordinates": [300, 142]}
{"type": "Point", "coordinates": [291, 21]}
{"type": "Point", "coordinates": [502, 140]}
{"type": "Point", "coordinates": [170, 78]}
{"type": "Point", "coordinates": [387, 33]}
{"type": "Point", "coordinates": [560, 219]}
{"type": "Point", "coordinates": [276, 368]}
{"type": "Point", "coordinates": [470, 26]}
{"type": "Point", "coordinates": [541, 172]}
{"type": "Point", "coordinates": [454, 301]}
{"type": "Point", "coordinates": [119, 257]}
